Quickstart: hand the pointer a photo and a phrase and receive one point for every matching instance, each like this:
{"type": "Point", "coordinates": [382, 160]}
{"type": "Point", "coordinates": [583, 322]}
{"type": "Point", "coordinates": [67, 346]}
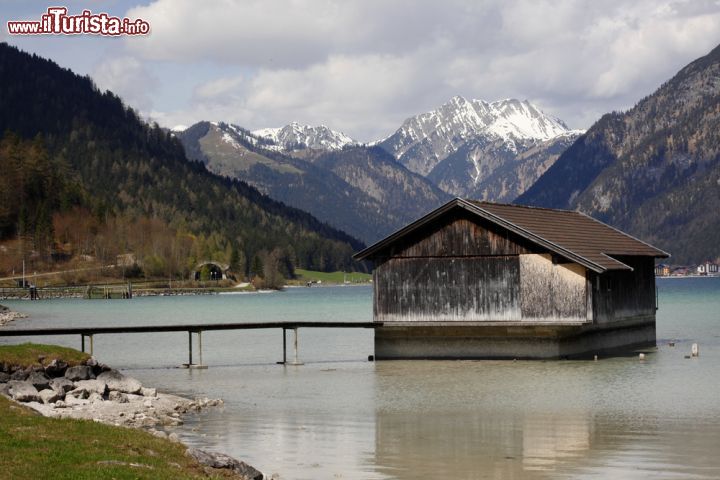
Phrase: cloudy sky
{"type": "Point", "coordinates": [363, 66]}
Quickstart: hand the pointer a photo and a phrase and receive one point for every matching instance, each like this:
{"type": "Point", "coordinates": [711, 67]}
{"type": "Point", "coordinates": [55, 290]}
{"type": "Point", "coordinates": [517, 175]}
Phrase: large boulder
{"type": "Point", "coordinates": [220, 460]}
{"type": "Point", "coordinates": [39, 380]}
{"type": "Point", "coordinates": [56, 368]}
{"type": "Point", "coordinates": [4, 377]}
{"type": "Point", "coordinates": [23, 391]}
{"type": "Point", "coordinates": [79, 372]}
{"type": "Point", "coordinates": [5, 390]}
{"type": "Point", "coordinates": [92, 386]}
{"type": "Point", "coordinates": [50, 396]}
{"type": "Point", "coordinates": [19, 375]}
{"type": "Point", "coordinates": [86, 388]}
{"type": "Point", "coordinates": [61, 385]}
{"type": "Point", "coordinates": [119, 382]}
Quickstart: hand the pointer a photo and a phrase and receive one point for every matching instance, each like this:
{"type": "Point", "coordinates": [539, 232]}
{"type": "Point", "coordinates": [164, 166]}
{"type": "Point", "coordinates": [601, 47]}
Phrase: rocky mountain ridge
{"type": "Point", "coordinates": [478, 149]}
{"type": "Point", "coordinates": [357, 189]}
{"type": "Point", "coordinates": [653, 170]}
{"type": "Point", "coordinates": [426, 139]}
{"type": "Point", "coordinates": [295, 136]}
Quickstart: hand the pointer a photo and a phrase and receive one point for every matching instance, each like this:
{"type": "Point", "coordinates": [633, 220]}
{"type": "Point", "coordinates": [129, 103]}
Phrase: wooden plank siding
{"type": "Point", "coordinates": [448, 289]}
{"type": "Point", "coordinates": [462, 269]}
{"type": "Point", "coordinates": [621, 295]}
{"type": "Point", "coordinates": [459, 235]}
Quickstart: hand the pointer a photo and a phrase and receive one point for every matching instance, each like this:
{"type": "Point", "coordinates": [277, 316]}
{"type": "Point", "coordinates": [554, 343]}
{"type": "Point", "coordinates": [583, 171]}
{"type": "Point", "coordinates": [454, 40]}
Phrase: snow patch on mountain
{"type": "Point", "coordinates": [296, 136]}
{"type": "Point", "coordinates": [227, 138]}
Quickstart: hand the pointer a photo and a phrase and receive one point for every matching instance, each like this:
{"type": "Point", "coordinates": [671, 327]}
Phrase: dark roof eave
{"type": "Point", "coordinates": [660, 254]}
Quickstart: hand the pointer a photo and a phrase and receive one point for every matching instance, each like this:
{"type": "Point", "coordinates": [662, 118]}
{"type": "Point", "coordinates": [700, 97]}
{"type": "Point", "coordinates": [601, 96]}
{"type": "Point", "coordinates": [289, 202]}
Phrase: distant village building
{"type": "Point", "coordinates": [708, 268]}
{"type": "Point", "coordinates": [483, 280]}
{"type": "Point", "coordinates": [662, 270]}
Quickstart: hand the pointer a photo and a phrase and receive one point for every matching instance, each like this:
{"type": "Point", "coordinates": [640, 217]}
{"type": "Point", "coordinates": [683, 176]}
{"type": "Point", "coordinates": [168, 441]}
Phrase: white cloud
{"type": "Point", "coordinates": [127, 77]}
{"type": "Point", "coordinates": [364, 66]}
{"type": "Point", "coordinates": [277, 33]}
{"type": "Point", "coordinates": [219, 88]}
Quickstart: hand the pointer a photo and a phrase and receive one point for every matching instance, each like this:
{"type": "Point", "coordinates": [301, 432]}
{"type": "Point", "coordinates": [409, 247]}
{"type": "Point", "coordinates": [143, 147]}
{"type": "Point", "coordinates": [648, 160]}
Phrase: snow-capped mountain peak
{"type": "Point", "coordinates": [441, 132]}
{"type": "Point", "coordinates": [523, 120]}
{"type": "Point", "coordinates": [296, 136]}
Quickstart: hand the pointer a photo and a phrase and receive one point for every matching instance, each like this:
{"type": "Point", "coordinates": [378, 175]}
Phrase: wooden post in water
{"type": "Point", "coordinates": [200, 365]}
{"type": "Point", "coordinates": [189, 348]}
{"type": "Point", "coordinates": [190, 363]}
{"type": "Point", "coordinates": [284, 360]}
{"type": "Point", "coordinates": [82, 342]}
{"type": "Point", "coordinates": [91, 345]}
{"type": "Point", "coordinates": [295, 344]}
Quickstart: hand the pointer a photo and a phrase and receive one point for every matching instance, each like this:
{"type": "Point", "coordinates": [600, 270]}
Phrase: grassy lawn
{"type": "Point", "coordinates": [35, 447]}
{"type": "Point", "coordinates": [27, 354]}
{"type": "Point", "coordinates": [331, 277]}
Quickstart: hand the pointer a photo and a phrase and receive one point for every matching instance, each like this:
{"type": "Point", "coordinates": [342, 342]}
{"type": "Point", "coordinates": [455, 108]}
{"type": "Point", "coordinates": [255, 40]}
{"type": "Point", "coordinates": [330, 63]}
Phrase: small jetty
{"type": "Point", "coordinates": [197, 329]}
{"type": "Point", "coordinates": [108, 292]}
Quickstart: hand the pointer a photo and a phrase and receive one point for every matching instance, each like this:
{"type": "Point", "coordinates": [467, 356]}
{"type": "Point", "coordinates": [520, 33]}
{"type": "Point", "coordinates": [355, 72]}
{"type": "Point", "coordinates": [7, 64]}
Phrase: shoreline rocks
{"type": "Point", "coordinates": [92, 391]}
{"type": "Point", "coordinates": [7, 315]}
{"type": "Point", "coordinates": [96, 392]}
{"type": "Point", "coordinates": [222, 461]}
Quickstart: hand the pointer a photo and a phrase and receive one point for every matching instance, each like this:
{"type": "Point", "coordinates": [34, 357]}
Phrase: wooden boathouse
{"type": "Point", "coordinates": [483, 280]}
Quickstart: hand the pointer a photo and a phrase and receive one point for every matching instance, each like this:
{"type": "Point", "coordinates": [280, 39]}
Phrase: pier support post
{"type": "Point", "coordinates": [82, 342]}
{"type": "Point", "coordinates": [91, 345]}
{"type": "Point", "coordinates": [284, 335]}
{"type": "Point", "coordinates": [190, 363]}
{"type": "Point", "coordinates": [201, 364]}
{"type": "Point", "coordinates": [295, 348]}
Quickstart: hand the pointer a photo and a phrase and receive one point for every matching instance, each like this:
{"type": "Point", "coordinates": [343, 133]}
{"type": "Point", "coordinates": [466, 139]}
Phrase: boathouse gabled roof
{"type": "Point", "coordinates": [569, 234]}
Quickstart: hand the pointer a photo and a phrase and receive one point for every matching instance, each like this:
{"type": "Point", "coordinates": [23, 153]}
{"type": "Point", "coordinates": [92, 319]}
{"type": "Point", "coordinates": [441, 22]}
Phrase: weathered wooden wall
{"type": "Point", "coordinates": [551, 292]}
{"type": "Point", "coordinates": [618, 295]}
{"type": "Point", "coordinates": [459, 236]}
{"type": "Point", "coordinates": [448, 289]}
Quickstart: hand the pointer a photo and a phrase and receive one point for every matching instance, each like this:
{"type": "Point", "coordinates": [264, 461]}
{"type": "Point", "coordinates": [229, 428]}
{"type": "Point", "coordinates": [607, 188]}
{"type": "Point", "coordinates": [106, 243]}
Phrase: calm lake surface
{"type": "Point", "coordinates": [340, 416]}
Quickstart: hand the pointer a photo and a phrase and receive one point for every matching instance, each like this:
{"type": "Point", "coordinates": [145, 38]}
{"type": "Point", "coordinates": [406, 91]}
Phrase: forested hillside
{"type": "Point", "coordinates": [653, 170]}
{"type": "Point", "coordinates": [74, 156]}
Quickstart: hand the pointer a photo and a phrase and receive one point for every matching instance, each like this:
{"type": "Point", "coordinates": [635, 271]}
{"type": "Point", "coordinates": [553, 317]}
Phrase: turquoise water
{"type": "Point", "coordinates": [339, 416]}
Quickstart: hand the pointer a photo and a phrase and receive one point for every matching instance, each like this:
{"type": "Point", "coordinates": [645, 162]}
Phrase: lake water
{"type": "Point", "coordinates": [340, 416]}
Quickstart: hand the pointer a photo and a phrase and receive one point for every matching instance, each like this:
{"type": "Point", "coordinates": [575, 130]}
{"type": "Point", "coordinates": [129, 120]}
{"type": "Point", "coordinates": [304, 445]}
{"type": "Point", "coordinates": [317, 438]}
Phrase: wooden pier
{"type": "Point", "coordinates": [197, 329]}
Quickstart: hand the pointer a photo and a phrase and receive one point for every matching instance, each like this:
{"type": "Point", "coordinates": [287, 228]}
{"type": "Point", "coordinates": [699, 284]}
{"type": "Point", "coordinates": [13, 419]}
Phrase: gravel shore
{"type": "Point", "coordinates": [7, 315]}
